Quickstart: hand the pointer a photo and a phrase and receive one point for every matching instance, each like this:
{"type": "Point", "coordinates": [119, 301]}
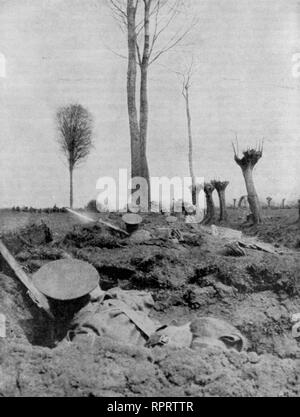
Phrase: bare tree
{"type": "Point", "coordinates": [186, 84]}
{"type": "Point", "coordinates": [242, 202]}
{"type": "Point", "coordinates": [75, 136]}
{"type": "Point", "coordinates": [269, 199]}
{"type": "Point", "coordinates": [220, 186]}
{"type": "Point", "coordinates": [247, 163]}
{"type": "Point", "coordinates": [186, 80]}
{"type": "Point", "coordinates": [145, 22]}
{"type": "Point", "coordinates": [210, 207]}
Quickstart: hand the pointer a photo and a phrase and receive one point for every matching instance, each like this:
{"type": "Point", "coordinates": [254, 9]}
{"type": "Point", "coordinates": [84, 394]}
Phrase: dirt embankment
{"type": "Point", "coordinates": [257, 293]}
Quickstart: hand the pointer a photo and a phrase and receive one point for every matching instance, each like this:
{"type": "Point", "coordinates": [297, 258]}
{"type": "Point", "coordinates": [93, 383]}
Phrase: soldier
{"type": "Point", "coordinates": [84, 310]}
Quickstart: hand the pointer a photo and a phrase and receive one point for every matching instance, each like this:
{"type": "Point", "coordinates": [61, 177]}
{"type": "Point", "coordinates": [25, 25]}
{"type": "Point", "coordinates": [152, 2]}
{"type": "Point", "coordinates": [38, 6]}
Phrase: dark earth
{"type": "Point", "coordinates": [188, 277]}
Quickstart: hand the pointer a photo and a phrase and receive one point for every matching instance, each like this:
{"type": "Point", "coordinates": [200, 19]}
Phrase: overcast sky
{"type": "Point", "coordinates": [59, 51]}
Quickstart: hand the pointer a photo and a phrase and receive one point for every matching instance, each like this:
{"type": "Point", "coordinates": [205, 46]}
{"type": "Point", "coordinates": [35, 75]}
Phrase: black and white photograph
{"type": "Point", "coordinates": [150, 201]}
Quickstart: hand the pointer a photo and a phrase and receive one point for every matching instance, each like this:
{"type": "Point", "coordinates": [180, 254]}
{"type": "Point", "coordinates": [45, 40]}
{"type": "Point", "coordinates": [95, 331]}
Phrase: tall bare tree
{"type": "Point", "coordinates": [145, 22]}
{"type": "Point", "coordinates": [75, 136]}
{"type": "Point", "coordinates": [247, 162]}
{"type": "Point", "coordinates": [186, 84]}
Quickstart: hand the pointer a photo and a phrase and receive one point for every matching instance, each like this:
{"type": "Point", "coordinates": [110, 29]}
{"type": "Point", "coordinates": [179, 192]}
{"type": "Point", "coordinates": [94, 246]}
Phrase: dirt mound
{"type": "Point", "coordinates": [252, 273]}
{"type": "Point", "coordinates": [109, 369]}
{"type": "Point", "coordinates": [92, 236]}
{"type": "Point", "coordinates": [256, 293]}
{"type": "Point", "coordinates": [29, 236]}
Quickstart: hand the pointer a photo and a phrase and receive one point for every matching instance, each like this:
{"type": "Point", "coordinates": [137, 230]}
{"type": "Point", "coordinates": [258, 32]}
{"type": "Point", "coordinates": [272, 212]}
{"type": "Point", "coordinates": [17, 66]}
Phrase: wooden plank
{"type": "Point", "coordinates": [37, 297]}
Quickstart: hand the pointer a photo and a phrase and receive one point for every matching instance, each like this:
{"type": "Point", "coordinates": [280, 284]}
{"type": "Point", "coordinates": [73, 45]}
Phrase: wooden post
{"type": "Point", "coordinates": [37, 297]}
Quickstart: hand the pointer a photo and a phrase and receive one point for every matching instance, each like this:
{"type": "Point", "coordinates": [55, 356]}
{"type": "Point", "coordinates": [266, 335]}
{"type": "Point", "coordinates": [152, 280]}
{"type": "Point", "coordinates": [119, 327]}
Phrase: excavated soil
{"type": "Point", "coordinates": [189, 277]}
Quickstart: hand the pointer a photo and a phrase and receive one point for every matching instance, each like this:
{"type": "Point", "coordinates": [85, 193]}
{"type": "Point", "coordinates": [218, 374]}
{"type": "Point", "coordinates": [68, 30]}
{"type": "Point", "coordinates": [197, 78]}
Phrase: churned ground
{"type": "Point", "coordinates": [256, 292]}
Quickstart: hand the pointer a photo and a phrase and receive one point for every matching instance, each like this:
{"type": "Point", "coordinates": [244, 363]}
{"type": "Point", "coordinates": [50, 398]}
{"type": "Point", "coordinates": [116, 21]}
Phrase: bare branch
{"type": "Point", "coordinates": [154, 11]}
{"type": "Point", "coordinates": [157, 32]}
{"type": "Point", "coordinates": [120, 22]}
{"type": "Point", "coordinates": [138, 54]}
{"type": "Point", "coordinates": [234, 150]}
{"type": "Point", "coordinates": [118, 9]}
{"type": "Point", "coordinates": [116, 53]}
{"type": "Point", "coordinates": [140, 25]}
{"type": "Point", "coordinates": [175, 40]}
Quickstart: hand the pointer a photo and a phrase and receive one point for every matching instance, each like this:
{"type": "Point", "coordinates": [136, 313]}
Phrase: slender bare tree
{"type": "Point", "coordinates": [186, 84]}
{"type": "Point", "coordinates": [186, 79]}
{"type": "Point", "coordinates": [145, 22]}
{"type": "Point", "coordinates": [247, 162]}
{"type": "Point", "coordinates": [75, 136]}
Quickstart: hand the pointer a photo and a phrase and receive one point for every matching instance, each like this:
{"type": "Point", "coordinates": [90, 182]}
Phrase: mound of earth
{"type": "Point", "coordinates": [256, 293]}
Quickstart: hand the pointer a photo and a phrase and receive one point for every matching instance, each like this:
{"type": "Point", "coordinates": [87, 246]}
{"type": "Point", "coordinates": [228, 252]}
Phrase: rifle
{"type": "Point", "coordinates": [37, 297]}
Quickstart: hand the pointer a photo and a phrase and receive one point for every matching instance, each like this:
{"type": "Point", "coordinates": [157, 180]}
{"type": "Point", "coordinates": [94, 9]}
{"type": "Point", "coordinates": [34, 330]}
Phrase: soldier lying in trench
{"type": "Point", "coordinates": [122, 315]}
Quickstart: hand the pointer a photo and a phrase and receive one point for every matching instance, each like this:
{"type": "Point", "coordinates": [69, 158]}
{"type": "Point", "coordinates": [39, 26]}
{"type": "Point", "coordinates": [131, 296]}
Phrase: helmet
{"type": "Point", "coordinates": [132, 219]}
{"type": "Point", "coordinates": [66, 279]}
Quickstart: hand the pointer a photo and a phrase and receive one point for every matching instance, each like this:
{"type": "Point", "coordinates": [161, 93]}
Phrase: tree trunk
{"type": "Point", "coordinates": [131, 91]}
{"type": "Point", "coordinates": [223, 211]}
{"type": "Point", "coordinates": [252, 195]}
{"type": "Point", "coordinates": [144, 107]}
{"type": "Point", "coordinates": [210, 207]}
{"type": "Point", "coordinates": [189, 123]}
{"type": "Point", "coordinates": [71, 187]}
{"type": "Point", "coordinates": [138, 130]}
{"type": "Point", "coordinates": [144, 169]}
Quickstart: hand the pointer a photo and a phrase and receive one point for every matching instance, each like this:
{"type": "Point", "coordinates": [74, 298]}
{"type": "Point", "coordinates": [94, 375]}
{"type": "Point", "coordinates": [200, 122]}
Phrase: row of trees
{"type": "Point", "coordinates": [75, 128]}
{"type": "Point", "coordinates": [220, 187]}
{"type": "Point", "coordinates": [144, 22]}
{"type": "Point", "coordinates": [242, 202]}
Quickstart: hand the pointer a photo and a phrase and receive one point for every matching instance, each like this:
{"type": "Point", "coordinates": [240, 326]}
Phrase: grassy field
{"type": "Point", "coordinates": [280, 225]}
